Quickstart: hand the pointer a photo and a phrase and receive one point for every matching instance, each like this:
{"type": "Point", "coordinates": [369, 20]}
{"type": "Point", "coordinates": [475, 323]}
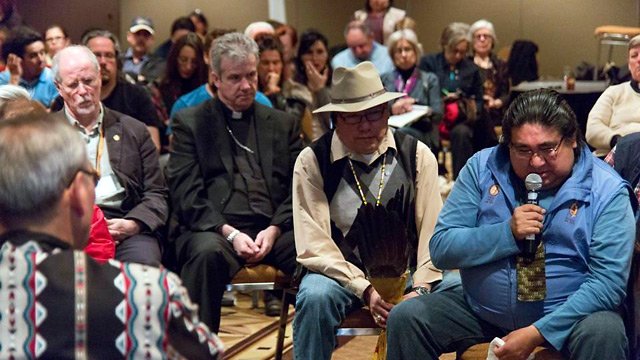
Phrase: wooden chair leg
{"type": "Point", "coordinates": [284, 314]}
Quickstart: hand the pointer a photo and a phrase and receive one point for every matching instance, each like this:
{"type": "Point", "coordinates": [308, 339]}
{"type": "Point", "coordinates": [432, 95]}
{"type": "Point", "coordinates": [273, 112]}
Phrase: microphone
{"type": "Point", "coordinates": [533, 183]}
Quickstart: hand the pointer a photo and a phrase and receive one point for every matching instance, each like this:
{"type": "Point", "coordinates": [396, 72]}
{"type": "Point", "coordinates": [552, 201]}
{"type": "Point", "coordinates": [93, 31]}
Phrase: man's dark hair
{"type": "Point", "coordinates": [19, 38]}
{"type": "Point", "coordinates": [182, 23]}
{"type": "Point", "coordinates": [544, 107]}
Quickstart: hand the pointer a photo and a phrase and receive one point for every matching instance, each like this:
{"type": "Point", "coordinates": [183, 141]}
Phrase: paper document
{"type": "Point", "coordinates": [418, 111]}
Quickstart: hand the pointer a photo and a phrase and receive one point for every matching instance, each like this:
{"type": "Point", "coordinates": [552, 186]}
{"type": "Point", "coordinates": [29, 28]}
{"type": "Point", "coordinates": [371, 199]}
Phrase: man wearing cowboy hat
{"type": "Point", "coordinates": [362, 161]}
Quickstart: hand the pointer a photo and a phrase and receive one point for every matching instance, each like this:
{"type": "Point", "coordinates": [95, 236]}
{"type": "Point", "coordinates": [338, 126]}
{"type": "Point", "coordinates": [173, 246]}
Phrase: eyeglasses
{"type": "Point", "coordinates": [54, 39]}
{"type": "Point", "coordinates": [482, 36]}
{"type": "Point", "coordinates": [91, 172]}
{"type": "Point", "coordinates": [546, 152]}
{"type": "Point", "coordinates": [400, 50]}
{"type": "Point", "coordinates": [371, 116]}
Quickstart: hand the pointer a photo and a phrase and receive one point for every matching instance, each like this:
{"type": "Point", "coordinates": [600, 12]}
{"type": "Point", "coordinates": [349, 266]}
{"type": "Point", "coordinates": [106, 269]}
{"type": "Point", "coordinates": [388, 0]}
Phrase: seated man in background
{"type": "Point", "coordinates": [362, 47]}
{"type": "Point", "coordinates": [82, 308]}
{"type": "Point", "coordinates": [25, 56]}
{"type": "Point", "coordinates": [131, 192]}
{"type": "Point", "coordinates": [362, 161]}
{"type": "Point", "coordinates": [230, 174]}
{"type": "Point", "coordinates": [116, 92]}
{"type": "Point", "coordinates": [179, 28]}
{"type": "Point", "coordinates": [564, 290]}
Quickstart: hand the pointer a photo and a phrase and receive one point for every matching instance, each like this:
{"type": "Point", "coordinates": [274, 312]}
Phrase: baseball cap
{"type": "Point", "coordinates": [141, 23]}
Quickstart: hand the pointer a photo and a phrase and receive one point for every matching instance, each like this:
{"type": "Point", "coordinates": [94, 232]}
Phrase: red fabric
{"type": "Point", "coordinates": [101, 246]}
{"type": "Point", "coordinates": [451, 113]}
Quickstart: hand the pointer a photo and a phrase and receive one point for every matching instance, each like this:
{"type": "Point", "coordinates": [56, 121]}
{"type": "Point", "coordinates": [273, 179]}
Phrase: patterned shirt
{"type": "Point", "coordinates": [56, 303]}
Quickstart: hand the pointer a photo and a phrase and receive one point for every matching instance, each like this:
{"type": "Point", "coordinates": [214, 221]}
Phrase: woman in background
{"type": "Point", "coordinates": [381, 17]}
{"type": "Point", "coordinates": [56, 39]}
{"type": "Point", "coordinates": [459, 79]}
{"type": "Point", "coordinates": [495, 82]}
{"type": "Point", "coordinates": [311, 81]}
{"type": "Point", "coordinates": [616, 113]}
{"type": "Point", "coordinates": [420, 87]}
{"type": "Point", "coordinates": [185, 69]}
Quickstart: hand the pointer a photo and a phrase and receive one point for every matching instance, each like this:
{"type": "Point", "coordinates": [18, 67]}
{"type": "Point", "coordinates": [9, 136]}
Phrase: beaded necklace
{"type": "Point", "coordinates": [355, 176]}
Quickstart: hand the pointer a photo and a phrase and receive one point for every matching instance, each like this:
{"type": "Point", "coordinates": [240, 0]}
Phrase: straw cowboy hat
{"type": "Point", "coordinates": [356, 89]}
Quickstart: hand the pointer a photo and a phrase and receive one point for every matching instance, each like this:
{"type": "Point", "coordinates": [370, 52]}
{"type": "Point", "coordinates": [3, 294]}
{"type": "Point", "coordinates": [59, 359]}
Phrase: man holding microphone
{"type": "Point", "coordinates": [566, 293]}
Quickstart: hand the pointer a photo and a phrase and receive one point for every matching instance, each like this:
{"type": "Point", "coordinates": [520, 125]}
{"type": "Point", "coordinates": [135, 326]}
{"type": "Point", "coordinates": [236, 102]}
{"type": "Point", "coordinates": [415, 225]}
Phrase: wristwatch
{"type": "Point", "coordinates": [421, 290]}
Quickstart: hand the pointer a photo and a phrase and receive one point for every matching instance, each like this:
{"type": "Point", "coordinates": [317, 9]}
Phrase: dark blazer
{"type": "Point", "coordinates": [469, 80]}
{"type": "Point", "coordinates": [200, 169]}
{"type": "Point", "coordinates": [134, 160]}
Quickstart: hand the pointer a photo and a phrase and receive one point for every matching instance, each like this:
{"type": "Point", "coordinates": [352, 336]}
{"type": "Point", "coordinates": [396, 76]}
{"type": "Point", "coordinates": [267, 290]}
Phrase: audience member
{"type": "Point", "coordinates": [381, 17]}
{"type": "Point", "coordinates": [180, 27]}
{"type": "Point", "coordinates": [459, 79]}
{"type": "Point", "coordinates": [270, 76]}
{"type": "Point", "coordinates": [288, 36]}
{"type": "Point", "coordinates": [200, 22]}
{"type": "Point", "coordinates": [419, 87]}
{"type": "Point", "coordinates": [495, 83]}
{"type": "Point", "coordinates": [624, 159]}
{"type": "Point", "coordinates": [131, 191]}
{"type": "Point", "coordinates": [615, 114]}
{"type": "Point", "coordinates": [16, 103]}
{"type": "Point", "coordinates": [185, 69]}
{"type": "Point", "coordinates": [73, 307]}
{"type": "Point", "coordinates": [138, 60]}
{"type": "Point", "coordinates": [566, 291]}
{"type": "Point", "coordinates": [56, 39]}
{"type": "Point", "coordinates": [207, 91]}
{"type": "Point", "coordinates": [362, 47]}
{"type": "Point", "coordinates": [256, 28]}
{"type": "Point", "coordinates": [230, 175]}
{"type": "Point", "coordinates": [116, 93]}
{"type": "Point", "coordinates": [311, 81]}
{"type": "Point", "coordinates": [362, 162]}
{"type": "Point", "coordinates": [24, 54]}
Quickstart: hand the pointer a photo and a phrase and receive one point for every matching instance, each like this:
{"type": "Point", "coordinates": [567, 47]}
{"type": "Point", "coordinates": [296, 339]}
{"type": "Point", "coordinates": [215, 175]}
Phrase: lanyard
{"type": "Point", "coordinates": [100, 150]}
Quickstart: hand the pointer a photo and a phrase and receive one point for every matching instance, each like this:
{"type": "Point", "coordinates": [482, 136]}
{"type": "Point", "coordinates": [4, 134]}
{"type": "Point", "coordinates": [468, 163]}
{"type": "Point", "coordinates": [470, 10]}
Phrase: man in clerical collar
{"type": "Point", "coordinates": [131, 191]}
{"type": "Point", "coordinates": [229, 174]}
{"type": "Point", "coordinates": [57, 302]}
{"type": "Point", "coordinates": [361, 162]}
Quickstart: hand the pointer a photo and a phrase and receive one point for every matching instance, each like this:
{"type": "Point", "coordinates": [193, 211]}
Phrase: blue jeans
{"type": "Point", "coordinates": [321, 305]}
{"type": "Point", "coordinates": [427, 326]}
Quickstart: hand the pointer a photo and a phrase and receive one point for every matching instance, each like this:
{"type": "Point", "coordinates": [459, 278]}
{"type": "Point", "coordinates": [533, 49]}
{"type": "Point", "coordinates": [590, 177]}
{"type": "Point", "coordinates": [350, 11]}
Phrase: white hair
{"type": "Point", "coordinates": [258, 27]}
{"type": "Point", "coordinates": [484, 24]}
{"type": "Point", "coordinates": [55, 64]}
{"type": "Point", "coordinates": [10, 93]}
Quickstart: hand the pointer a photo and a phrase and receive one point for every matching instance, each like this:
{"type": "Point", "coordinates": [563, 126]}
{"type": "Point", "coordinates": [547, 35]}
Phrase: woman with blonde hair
{"type": "Point", "coordinates": [420, 87]}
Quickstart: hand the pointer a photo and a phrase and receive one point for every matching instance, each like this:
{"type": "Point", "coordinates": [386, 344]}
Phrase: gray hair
{"type": "Point", "coordinates": [359, 25]}
{"type": "Point", "coordinates": [453, 34]}
{"type": "Point", "coordinates": [404, 34]}
{"type": "Point", "coordinates": [635, 41]}
{"type": "Point", "coordinates": [55, 63]}
{"type": "Point", "coordinates": [39, 156]}
{"type": "Point", "coordinates": [10, 93]}
{"type": "Point", "coordinates": [102, 33]}
{"type": "Point", "coordinates": [235, 46]}
{"type": "Point", "coordinates": [484, 24]}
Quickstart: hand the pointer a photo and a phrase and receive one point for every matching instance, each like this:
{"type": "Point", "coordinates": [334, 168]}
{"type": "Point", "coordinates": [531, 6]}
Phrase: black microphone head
{"type": "Point", "coordinates": [533, 182]}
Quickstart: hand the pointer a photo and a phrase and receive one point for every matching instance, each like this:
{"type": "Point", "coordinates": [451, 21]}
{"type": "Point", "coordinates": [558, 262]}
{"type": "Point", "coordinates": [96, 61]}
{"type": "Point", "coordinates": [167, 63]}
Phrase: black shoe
{"type": "Point", "coordinates": [272, 307]}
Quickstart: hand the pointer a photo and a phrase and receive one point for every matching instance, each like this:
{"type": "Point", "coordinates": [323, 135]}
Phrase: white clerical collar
{"type": "Point", "coordinates": [236, 115]}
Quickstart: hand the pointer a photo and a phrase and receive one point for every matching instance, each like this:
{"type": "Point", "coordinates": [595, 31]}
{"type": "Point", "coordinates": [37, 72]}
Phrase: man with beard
{"type": "Point", "coordinates": [117, 93]}
{"type": "Point", "coordinates": [131, 192]}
